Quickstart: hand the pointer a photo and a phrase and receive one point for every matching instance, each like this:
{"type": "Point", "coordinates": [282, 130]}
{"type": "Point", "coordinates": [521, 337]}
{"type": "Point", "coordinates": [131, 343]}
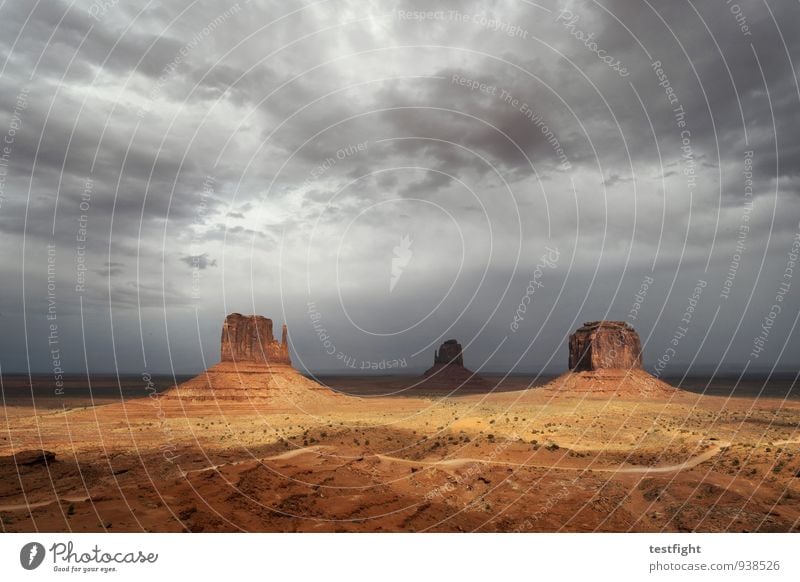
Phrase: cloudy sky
{"type": "Point", "coordinates": [382, 178]}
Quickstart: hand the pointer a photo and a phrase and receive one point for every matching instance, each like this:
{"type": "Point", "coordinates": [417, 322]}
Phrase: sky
{"type": "Point", "coordinates": [383, 176]}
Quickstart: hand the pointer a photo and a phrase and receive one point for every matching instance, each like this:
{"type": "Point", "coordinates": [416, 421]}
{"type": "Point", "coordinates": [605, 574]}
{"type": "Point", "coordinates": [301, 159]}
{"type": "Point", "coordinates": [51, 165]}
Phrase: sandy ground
{"type": "Point", "coordinates": [407, 459]}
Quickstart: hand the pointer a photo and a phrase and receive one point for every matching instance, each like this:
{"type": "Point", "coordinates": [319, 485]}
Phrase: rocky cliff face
{"type": "Point", "coordinates": [249, 339]}
{"type": "Point", "coordinates": [448, 369]}
{"type": "Point", "coordinates": [602, 345]}
{"type": "Point", "coordinates": [449, 353]}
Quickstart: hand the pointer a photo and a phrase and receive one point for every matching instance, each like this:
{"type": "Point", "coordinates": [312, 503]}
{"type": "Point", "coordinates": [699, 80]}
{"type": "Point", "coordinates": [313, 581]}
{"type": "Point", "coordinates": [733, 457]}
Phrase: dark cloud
{"type": "Point", "coordinates": [110, 269]}
{"type": "Point", "coordinates": [614, 179]}
{"type": "Point", "coordinates": [201, 262]}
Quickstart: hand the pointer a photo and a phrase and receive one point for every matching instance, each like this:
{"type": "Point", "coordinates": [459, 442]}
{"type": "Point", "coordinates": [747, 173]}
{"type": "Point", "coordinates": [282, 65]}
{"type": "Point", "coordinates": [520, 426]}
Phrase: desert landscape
{"type": "Point", "coordinates": [253, 445]}
{"type": "Point", "coordinates": [527, 270]}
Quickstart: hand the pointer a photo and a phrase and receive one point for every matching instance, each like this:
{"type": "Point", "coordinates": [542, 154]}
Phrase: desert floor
{"type": "Point", "coordinates": [385, 457]}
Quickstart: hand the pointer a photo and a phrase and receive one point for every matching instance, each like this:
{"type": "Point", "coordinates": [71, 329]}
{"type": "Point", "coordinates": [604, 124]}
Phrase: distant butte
{"type": "Point", "coordinates": [449, 354]}
{"type": "Point", "coordinates": [253, 366]}
{"type": "Point", "coordinates": [448, 367]}
{"type": "Point", "coordinates": [605, 358]}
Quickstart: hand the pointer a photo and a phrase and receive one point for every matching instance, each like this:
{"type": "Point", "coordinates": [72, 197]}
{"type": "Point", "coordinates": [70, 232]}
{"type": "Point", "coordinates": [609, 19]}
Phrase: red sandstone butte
{"type": "Point", "coordinates": [600, 345]}
{"type": "Point", "coordinates": [605, 359]}
{"type": "Point", "coordinates": [448, 367]}
{"type": "Point", "coordinates": [254, 367]}
{"type": "Point", "coordinates": [248, 338]}
{"type": "Point", "coordinates": [449, 353]}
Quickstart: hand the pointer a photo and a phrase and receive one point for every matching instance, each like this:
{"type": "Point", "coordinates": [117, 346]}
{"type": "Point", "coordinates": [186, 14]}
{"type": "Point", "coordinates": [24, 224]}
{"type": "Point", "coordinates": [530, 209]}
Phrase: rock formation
{"type": "Point", "coordinates": [449, 353]}
{"type": "Point", "coordinates": [248, 338]}
{"type": "Point", "coordinates": [605, 359]}
{"type": "Point", "coordinates": [254, 367]}
{"type": "Point", "coordinates": [600, 345]}
{"type": "Point", "coordinates": [448, 367]}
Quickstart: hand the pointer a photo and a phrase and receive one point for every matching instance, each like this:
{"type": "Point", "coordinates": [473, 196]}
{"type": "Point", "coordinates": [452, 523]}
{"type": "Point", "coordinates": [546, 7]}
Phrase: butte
{"type": "Point", "coordinates": [255, 368]}
{"type": "Point", "coordinates": [605, 358]}
{"type": "Point", "coordinates": [448, 369]}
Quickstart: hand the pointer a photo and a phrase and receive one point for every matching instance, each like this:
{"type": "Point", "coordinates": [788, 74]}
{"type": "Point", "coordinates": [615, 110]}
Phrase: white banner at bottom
{"type": "Point", "coordinates": [380, 557]}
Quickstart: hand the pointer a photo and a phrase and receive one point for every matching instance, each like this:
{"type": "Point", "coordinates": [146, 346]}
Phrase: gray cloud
{"type": "Point", "coordinates": [201, 262]}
